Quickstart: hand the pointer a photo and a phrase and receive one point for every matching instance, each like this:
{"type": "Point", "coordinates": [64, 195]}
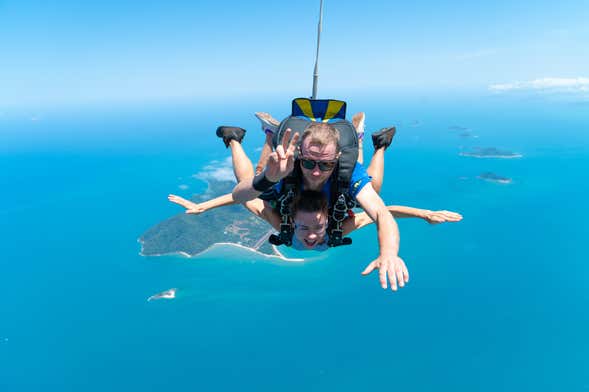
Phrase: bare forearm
{"type": "Point", "coordinates": [362, 219]}
{"type": "Point", "coordinates": [220, 201]}
{"type": "Point", "coordinates": [407, 212]}
{"type": "Point", "coordinates": [388, 232]}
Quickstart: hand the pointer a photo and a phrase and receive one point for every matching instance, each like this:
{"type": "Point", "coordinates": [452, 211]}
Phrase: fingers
{"type": "Point", "coordinates": [272, 162]}
{"type": "Point", "coordinates": [444, 216]}
{"type": "Point", "coordinates": [177, 199]}
{"type": "Point", "coordinates": [452, 216]}
{"type": "Point", "coordinates": [283, 147]}
{"type": "Point", "coordinates": [280, 152]}
{"type": "Point", "coordinates": [287, 146]}
{"type": "Point", "coordinates": [382, 276]}
{"type": "Point", "coordinates": [285, 139]}
{"type": "Point", "coordinates": [398, 275]}
{"type": "Point", "coordinates": [293, 143]}
{"type": "Point", "coordinates": [369, 269]}
{"type": "Point", "coordinates": [191, 208]}
{"type": "Point", "coordinates": [435, 219]}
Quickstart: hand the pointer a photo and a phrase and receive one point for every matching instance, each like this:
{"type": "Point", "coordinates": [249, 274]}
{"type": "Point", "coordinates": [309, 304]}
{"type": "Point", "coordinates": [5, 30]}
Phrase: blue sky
{"type": "Point", "coordinates": [68, 52]}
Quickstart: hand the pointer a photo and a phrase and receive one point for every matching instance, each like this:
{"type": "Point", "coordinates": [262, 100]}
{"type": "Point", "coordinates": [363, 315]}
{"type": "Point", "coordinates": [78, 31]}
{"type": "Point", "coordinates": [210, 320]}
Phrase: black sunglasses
{"type": "Point", "coordinates": [310, 164]}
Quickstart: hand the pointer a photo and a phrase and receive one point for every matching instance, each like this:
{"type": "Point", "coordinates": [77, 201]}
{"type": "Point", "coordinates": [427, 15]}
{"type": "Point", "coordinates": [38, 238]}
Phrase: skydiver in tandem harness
{"type": "Point", "coordinates": [326, 162]}
{"type": "Point", "coordinates": [318, 161]}
{"type": "Point", "coordinates": [307, 192]}
{"type": "Point", "coordinates": [308, 212]}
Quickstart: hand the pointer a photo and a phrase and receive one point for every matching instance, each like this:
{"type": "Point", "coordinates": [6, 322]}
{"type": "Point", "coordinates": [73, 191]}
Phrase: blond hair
{"type": "Point", "coordinates": [321, 134]}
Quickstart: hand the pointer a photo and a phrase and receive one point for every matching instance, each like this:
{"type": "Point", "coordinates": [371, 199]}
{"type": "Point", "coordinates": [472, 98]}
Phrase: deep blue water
{"type": "Point", "coordinates": [496, 302]}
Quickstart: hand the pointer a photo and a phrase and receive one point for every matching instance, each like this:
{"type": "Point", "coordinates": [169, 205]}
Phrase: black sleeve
{"type": "Point", "coordinates": [269, 195]}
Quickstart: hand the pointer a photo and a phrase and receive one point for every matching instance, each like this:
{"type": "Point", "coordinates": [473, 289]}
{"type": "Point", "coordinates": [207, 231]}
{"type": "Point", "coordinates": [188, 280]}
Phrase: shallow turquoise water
{"type": "Point", "coordinates": [496, 302]}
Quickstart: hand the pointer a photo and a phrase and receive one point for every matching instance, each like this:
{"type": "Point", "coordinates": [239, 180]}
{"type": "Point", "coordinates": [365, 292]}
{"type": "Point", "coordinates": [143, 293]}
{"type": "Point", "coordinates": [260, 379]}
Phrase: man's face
{"type": "Point", "coordinates": [310, 228]}
{"type": "Point", "coordinates": [315, 178]}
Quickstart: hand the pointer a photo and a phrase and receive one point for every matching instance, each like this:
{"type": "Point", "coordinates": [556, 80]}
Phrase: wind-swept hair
{"type": "Point", "coordinates": [309, 201]}
{"type": "Point", "coordinates": [321, 134]}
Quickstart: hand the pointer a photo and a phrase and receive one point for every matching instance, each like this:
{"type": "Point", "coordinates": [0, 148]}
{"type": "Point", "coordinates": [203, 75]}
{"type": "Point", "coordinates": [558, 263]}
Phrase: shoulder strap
{"type": "Point", "coordinates": [288, 193]}
{"type": "Point", "coordinates": [341, 201]}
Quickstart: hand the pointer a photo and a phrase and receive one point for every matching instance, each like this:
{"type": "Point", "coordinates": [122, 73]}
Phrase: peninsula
{"type": "Point", "coordinates": [191, 235]}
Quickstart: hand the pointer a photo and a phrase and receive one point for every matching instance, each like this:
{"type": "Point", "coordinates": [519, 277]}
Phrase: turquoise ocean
{"type": "Point", "coordinates": [497, 302]}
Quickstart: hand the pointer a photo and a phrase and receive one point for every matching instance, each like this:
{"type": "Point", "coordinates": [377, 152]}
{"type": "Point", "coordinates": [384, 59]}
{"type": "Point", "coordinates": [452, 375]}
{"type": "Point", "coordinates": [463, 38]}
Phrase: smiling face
{"type": "Point", "coordinates": [310, 228]}
{"type": "Point", "coordinates": [310, 214]}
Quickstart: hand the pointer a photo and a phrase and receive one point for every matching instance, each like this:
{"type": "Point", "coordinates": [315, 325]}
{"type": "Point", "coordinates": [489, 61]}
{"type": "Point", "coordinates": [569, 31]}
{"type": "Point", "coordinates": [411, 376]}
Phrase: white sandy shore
{"type": "Point", "coordinates": [497, 181]}
{"type": "Point", "coordinates": [278, 254]}
{"type": "Point", "coordinates": [167, 294]}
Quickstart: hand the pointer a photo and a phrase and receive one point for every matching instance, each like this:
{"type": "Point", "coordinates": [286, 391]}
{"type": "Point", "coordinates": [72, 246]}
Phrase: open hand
{"type": "Point", "coordinates": [191, 208]}
{"type": "Point", "coordinates": [394, 267]}
{"type": "Point", "coordinates": [435, 217]}
{"type": "Point", "coordinates": [281, 162]}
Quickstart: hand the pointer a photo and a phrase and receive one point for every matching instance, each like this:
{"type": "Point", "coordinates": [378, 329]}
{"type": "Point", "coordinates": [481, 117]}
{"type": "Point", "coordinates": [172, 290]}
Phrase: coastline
{"type": "Point", "coordinates": [278, 254]}
{"type": "Point", "coordinates": [505, 182]}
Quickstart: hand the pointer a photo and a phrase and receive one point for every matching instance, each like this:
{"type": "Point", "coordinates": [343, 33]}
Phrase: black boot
{"type": "Point", "coordinates": [230, 133]}
{"type": "Point", "coordinates": [383, 138]}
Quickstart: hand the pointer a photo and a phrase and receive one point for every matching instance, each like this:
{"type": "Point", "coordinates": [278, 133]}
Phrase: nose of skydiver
{"type": "Point", "coordinates": [312, 236]}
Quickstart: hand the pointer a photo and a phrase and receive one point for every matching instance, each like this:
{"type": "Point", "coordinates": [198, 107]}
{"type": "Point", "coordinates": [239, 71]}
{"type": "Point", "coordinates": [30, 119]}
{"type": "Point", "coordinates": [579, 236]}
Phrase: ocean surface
{"type": "Point", "coordinates": [497, 302]}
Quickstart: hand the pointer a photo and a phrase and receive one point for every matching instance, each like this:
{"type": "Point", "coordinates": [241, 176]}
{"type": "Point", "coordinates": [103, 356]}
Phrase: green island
{"type": "Point", "coordinates": [492, 177]}
{"type": "Point", "coordinates": [489, 152]}
{"type": "Point", "coordinates": [191, 235]}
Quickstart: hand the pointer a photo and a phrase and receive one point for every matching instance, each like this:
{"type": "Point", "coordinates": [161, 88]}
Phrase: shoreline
{"type": "Point", "coordinates": [278, 254]}
{"type": "Point", "coordinates": [505, 182]}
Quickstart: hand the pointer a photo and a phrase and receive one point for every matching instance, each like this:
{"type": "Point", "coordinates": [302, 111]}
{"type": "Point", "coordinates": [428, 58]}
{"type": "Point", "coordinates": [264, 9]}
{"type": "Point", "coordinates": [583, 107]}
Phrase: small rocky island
{"type": "Point", "coordinates": [489, 152]}
{"type": "Point", "coordinates": [191, 235]}
{"type": "Point", "coordinates": [492, 177]}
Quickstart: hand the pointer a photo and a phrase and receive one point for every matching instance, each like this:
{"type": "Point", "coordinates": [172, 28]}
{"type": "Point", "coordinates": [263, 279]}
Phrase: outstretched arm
{"type": "Point", "coordinates": [257, 207]}
{"type": "Point", "coordinates": [434, 217]}
{"type": "Point", "coordinates": [280, 164]}
{"type": "Point", "coordinates": [388, 261]}
{"type": "Point", "coordinates": [194, 208]}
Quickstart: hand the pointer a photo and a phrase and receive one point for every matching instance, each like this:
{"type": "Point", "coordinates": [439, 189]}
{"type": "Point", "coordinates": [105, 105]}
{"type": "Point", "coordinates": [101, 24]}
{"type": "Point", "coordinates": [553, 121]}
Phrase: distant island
{"type": "Point", "coordinates": [168, 294]}
{"type": "Point", "coordinates": [490, 152]}
{"type": "Point", "coordinates": [492, 177]}
{"type": "Point", "coordinates": [191, 235]}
